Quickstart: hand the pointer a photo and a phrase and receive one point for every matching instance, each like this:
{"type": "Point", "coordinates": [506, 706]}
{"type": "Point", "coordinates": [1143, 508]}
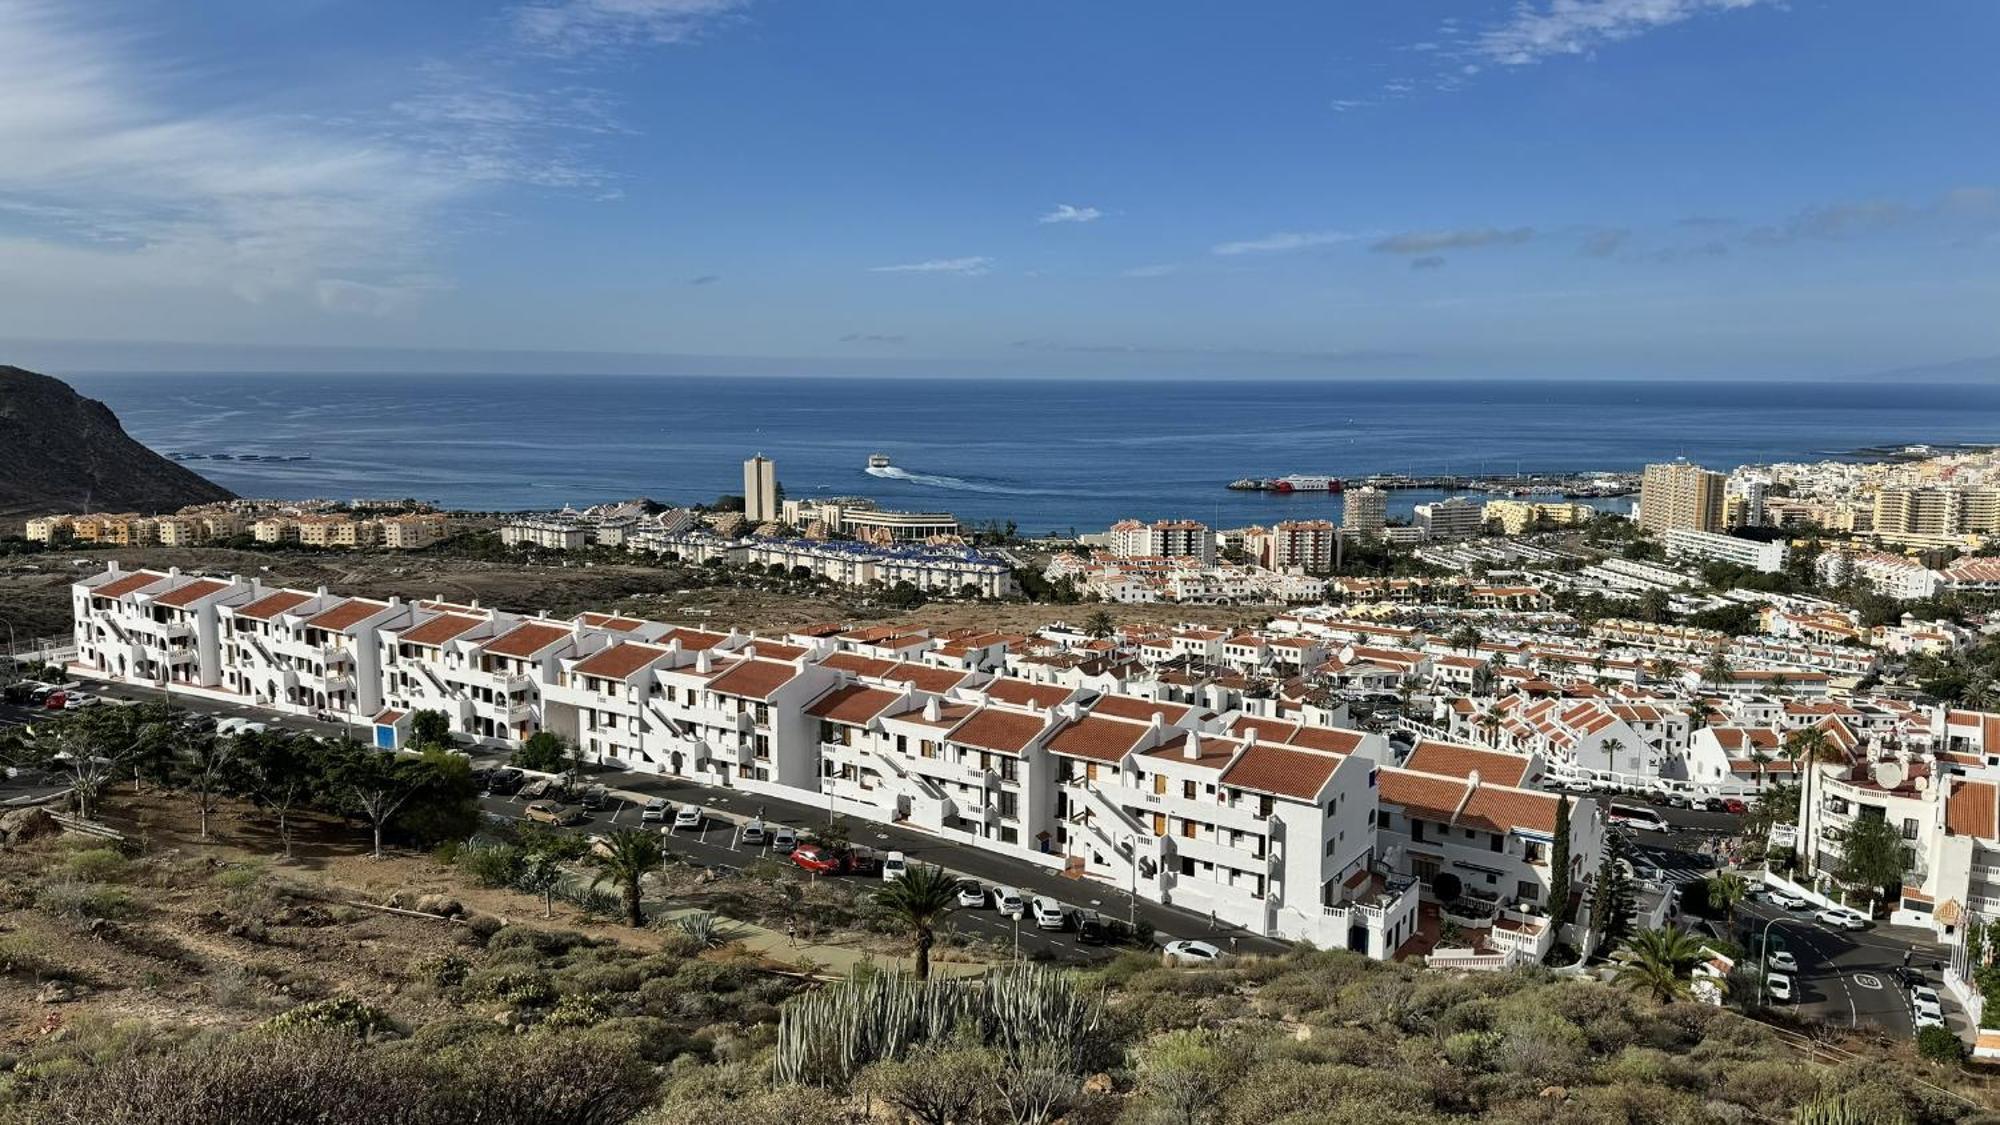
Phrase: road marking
{"type": "Point", "coordinates": [1868, 980]}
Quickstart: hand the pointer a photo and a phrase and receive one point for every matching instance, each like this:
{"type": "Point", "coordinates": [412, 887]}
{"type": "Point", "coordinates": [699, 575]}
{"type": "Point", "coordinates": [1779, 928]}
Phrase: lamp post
{"type": "Point", "coordinates": [1132, 891]}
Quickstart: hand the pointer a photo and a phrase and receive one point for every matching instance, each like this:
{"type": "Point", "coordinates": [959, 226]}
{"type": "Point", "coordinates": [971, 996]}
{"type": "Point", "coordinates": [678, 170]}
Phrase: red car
{"type": "Point", "coordinates": [1734, 805]}
{"type": "Point", "coordinates": [821, 860]}
{"type": "Point", "coordinates": [55, 701]}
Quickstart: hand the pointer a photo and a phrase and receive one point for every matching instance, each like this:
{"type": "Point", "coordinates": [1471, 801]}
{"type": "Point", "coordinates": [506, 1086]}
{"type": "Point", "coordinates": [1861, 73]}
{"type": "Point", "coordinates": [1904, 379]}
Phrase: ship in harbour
{"type": "Point", "coordinates": [1297, 482]}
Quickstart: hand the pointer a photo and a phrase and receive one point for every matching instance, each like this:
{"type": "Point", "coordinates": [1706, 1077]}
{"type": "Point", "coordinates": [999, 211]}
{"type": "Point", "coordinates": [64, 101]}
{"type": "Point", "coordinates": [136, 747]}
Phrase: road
{"type": "Point", "coordinates": [1849, 978]}
{"type": "Point", "coordinates": [714, 847]}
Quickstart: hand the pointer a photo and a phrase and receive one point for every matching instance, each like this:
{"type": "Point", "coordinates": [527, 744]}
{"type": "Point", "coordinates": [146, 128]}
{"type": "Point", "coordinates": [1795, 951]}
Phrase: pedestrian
{"type": "Point", "coordinates": [792, 931]}
{"type": "Point", "coordinates": [1906, 958]}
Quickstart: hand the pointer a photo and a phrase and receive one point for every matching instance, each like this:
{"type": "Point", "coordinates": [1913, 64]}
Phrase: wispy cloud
{"type": "Point", "coordinates": [576, 28]}
{"type": "Point", "coordinates": [1066, 213]}
{"type": "Point", "coordinates": [705, 279]}
{"type": "Point", "coordinates": [1539, 31]}
{"type": "Point", "coordinates": [871, 338]}
{"type": "Point", "coordinates": [1427, 262]}
{"type": "Point", "coordinates": [1159, 269]}
{"type": "Point", "coordinates": [968, 266]}
{"type": "Point", "coordinates": [1605, 243]}
{"type": "Point", "coordinates": [1432, 241]}
{"type": "Point", "coordinates": [1284, 241]}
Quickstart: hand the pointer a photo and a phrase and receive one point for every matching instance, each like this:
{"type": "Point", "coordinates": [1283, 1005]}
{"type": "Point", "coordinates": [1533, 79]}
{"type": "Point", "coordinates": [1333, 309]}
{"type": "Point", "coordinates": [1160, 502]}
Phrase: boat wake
{"type": "Point", "coordinates": [933, 480]}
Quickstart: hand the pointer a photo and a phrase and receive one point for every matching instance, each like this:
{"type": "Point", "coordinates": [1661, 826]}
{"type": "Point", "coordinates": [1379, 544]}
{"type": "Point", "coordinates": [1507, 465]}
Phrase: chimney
{"type": "Point", "coordinates": [1159, 721]}
{"type": "Point", "coordinates": [932, 712]}
{"type": "Point", "coordinates": [173, 572]}
{"type": "Point", "coordinates": [114, 567]}
{"type": "Point", "coordinates": [320, 593]}
{"type": "Point", "coordinates": [1192, 749]}
{"type": "Point", "coordinates": [1250, 737]}
{"type": "Point", "coordinates": [703, 663]}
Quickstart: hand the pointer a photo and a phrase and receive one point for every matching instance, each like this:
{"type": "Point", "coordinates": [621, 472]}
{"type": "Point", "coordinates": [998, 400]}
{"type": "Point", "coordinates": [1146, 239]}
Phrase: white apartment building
{"type": "Point", "coordinates": [1452, 518]}
{"type": "Point", "coordinates": [1364, 511]}
{"type": "Point", "coordinates": [552, 532]}
{"type": "Point", "coordinates": [1893, 576]}
{"type": "Point", "coordinates": [1685, 543]}
{"type": "Point", "coordinates": [1267, 823]}
{"type": "Point", "coordinates": [1163, 539]}
{"type": "Point", "coordinates": [760, 490]}
{"type": "Point", "coordinates": [1308, 545]}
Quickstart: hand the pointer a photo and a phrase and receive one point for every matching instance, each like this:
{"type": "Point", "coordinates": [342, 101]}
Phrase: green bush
{"type": "Point", "coordinates": [1940, 1044]}
{"type": "Point", "coordinates": [342, 1014]}
{"type": "Point", "coordinates": [96, 865]}
{"type": "Point", "coordinates": [547, 943]}
{"type": "Point", "coordinates": [446, 970]}
{"type": "Point", "coordinates": [512, 984]}
{"type": "Point", "coordinates": [75, 898]}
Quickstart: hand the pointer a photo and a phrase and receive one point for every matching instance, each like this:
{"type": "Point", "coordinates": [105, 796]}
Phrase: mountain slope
{"type": "Point", "coordinates": [62, 452]}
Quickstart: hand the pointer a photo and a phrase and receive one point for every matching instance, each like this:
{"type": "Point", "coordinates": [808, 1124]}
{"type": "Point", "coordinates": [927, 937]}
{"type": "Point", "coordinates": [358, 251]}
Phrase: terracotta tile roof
{"type": "Point", "coordinates": [1143, 710]}
{"type": "Point", "coordinates": [389, 718]}
{"type": "Point", "coordinates": [1501, 809]}
{"type": "Point", "coordinates": [858, 664]}
{"type": "Point", "coordinates": [1281, 772]}
{"type": "Point", "coordinates": [619, 661]}
{"type": "Point", "coordinates": [1971, 811]}
{"type": "Point", "coordinates": [612, 622]}
{"type": "Point", "coordinates": [949, 715]}
{"type": "Point", "coordinates": [131, 583]}
{"type": "Point", "coordinates": [923, 677]}
{"type": "Point", "coordinates": [1006, 689]}
{"type": "Point", "coordinates": [182, 596]}
{"type": "Point", "coordinates": [1422, 795]}
{"type": "Point", "coordinates": [754, 679]}
{"type": "Point", "coordinates": [1099, 739]}
{"type": "Point", "coordinates": [695, 640]}
{"type": "Point", "coordinates": [854, 703]}
{"type": "Point", "coordinates": [1325, 738]}
{"type": "Point", "coordinates": [1269, 728]}
{"type": "Point", "coordinates": [346, 614]}
{"type": "Point", "coordinates": [1211, 752]}
{"type": "Point", "coordinates": [439, 629]}
{"type": "Point", "coordinates": [271, 605]}
{"type": "Point", "coordinates": [526, 639]}
{"type": "Point", "coordinates": [992, 728]}
{"type": "Point", "coordinates": [1455, 760]}
{"type": "Point", "coordinates": [776, 650]}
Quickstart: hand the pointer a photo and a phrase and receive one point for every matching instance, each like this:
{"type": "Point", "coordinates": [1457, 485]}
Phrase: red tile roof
{"type": "Point", "coordinates": [527, 639]}
{"type": "Point", "coordinates": [1133, 707]}
{"type": "Point", "coordinates": [1970, 810]}
{"type": "Point", "coordinates": [346, 614]}
{"type": "Point", "coordinates": [754, 679]}
{"type": "Point", "coordinates": [182, 596]}
{"type": "Point", "coordinates": [439, 629]}
{"type": "Point", "coordinates": [1009, 732]}
{"type": "Point", "coordinates": [1456, 760]}
{"type": "Point", "coordinates": [131, 583]}
{"type": "Point", "coordinates": [854, 703]}
{"type": "Point", "coordinates": [1099, 739]}
{"type": "Point", "coordinates": [619, 661]}
{"type": "Point", "coordinates": [1298, 774]}
{"type": "Point", "coordinates": [614, 623]}
{"type": "Point", "coordinates": [1006, 689]}
{"type": "Point", "coordinates": [271, 605]}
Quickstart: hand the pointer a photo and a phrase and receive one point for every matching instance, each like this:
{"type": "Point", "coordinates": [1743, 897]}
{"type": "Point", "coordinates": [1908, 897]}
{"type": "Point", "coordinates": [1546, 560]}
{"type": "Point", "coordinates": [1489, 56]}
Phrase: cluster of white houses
{"type": "Point", "coordinates": [1259, 812]}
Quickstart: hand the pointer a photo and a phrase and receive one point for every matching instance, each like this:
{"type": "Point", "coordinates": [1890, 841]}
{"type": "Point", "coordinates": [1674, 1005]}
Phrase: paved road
{"type": "Point", "coordinates": [1850, 977]}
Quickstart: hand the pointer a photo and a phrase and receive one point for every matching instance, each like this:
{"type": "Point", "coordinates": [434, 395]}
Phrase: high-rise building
{"type": "Point", "coordinates": [1675, 494]}
{"type": "Point", "coordinates": [1307, 545]}
{"type": "Point", "coordinates": [760, 490]}
{"type": "Point", "coordinates": [1743, 501]}
{"type": "Point", "coordinates": [1364, 511]}
{"type": "Point", "coordinates": [1452, 518]}
{"type": "Point", "coordinates": [1937, 511]}
{"type": "Point", "coordinates": [1163, 538]}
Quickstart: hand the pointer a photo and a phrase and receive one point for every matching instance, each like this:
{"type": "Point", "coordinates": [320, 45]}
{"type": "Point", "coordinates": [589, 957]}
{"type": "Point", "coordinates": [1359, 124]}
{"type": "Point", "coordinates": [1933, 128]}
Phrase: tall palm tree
{"type": "Point", "coordinates": [1808, 746]}
{"type": "Point", "coordinates": [625, 858]}
{"type": "Point", "coordinates": [1718, 671]}
{"type": "Point", "coordinates": [1659, 963]}
{"type": "Point", "coordinates": [920, 899]}
{"type": "Point", "coordinates": [1467, 637]}
{"type": "Point", "coordinates": [1725, 892]}
{"type": "Point", "coordinates": [1611, 747]}
{"type": "Point", "coordinates": [1489, 721]}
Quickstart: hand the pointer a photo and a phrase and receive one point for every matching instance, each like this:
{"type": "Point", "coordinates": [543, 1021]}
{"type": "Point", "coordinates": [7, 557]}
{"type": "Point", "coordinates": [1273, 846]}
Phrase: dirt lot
{"type": "Point", "coordinates": [34, 591]}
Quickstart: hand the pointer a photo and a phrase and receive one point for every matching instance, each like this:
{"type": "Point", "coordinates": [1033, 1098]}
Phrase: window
{"type": "Point", "coordinates": [1909, 828]}
{"type": "Point", "coordinates": [1188, 790]}
{"type": "Point", "coordinates": [1188, 829]}
{"type": "Point", "coordinates": [1010, 769]}
{"type": "Point", "coordinates": [1160, 783]}
{"type": "Point", "coordinates": [1010, 806]}
{"type": "Point", "coordinates": [1498, 841]}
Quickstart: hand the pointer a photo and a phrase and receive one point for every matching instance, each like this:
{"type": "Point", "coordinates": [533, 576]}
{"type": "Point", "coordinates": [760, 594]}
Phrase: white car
{"type": "Point", "coordinates": [785, 840]}
{"type": "Point", "coordinates": [1922, 1020]}
{"type": "Point", "coordinates": [1049, 914]}
{"type": "Point", "coordinates": [754, 834]}
{"type": "Point", "coordinates": [971, 895]}
{"type": "Point", "coordinates": [1009, 902]}
{"type": "Point", "coordinates": [1787, 900]}
{"type": "Point", "coordinates": [656, 811]}
{"type": "Point", "coordinates": [1778, 986]}
{"type": "Point", "coordinates": [1841, 918]}
{"type": "Point", "coordinates": [894, 865]}
{"type": "Point", "coordinates": [1192, 953]}
{"type": "Point", "coordinates": [1782, 961]}
{"type": "Point", "coordinates": [1924, 1001]}
{"type": "Point", "coordinates": [687, 816]}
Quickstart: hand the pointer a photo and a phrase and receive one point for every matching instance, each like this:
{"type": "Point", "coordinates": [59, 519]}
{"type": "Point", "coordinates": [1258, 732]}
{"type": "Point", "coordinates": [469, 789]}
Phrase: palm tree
{"type": "Point", "coordinates": [1467, 637]}
{"type": "Point", "coordinates": [1611, 747]}
{"type": "Point", "coordinates": [625, 857]}
{"type": "Point", "coordinates": [1659, 963]}
{"type": "Point", "coordinates": [920, 899]}
{"type": "Point", "coordinates": [1808, 746]}
{"type": "Point", "coordinates": [1780, 684]}
{"type": "Point", "coordinates": [1718, 671]}
{"type": "Point", "coordinates": [1666, 668]}
{"type": "Point", "coordinates": [1100, 624]}
{"type": "Point", "coordinates": [1762, 758]}
{"type": "Point", "coordinates": [1725, 891]}
{"type": "Point", "coordinates": [1489, 721]}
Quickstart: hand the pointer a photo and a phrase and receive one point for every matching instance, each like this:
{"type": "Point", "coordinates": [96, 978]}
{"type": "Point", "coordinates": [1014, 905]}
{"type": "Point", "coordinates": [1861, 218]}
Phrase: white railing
{"type": "Point", "coordinates": [1471, 960]}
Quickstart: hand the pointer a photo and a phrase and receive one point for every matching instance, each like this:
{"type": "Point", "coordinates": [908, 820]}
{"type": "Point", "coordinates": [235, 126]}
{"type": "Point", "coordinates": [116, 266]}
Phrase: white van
{"type": "Point", "coordinates": [1638, 816]}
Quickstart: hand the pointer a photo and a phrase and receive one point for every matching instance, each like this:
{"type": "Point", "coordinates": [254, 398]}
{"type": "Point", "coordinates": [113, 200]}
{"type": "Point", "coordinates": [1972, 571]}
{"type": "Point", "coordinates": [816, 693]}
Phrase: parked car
{"type": "Point", "coordinates": [1924, 1001]}
{"type": "Point", "coordinates": [1734, 806]}
{"type": "Point", "coordinates": [1787, 900]}
{"type": "Point", "coordinates": [784, 839]}
{"type": "Point", "coordinates": [754, 834]}
{"type": "Point", "coordinates": [894, 866]}
{"type": "Point", "coordinates": [1841, 918]}
{"type": "Point", "coordinates": [971, 895]}
{"type": "Point", "coordinates": [1048, 913]}
{"type": "Point", "coordinates": [595, 798]}
{"type": "Point", "coordinates": [537, 789]}
{"type": "Point", "coordinates": [548, 812]}
{"type": "Point", "coordinates": [1093, 928]}
{"type": "Point", "coordinates": [506, 780]}
{"type": "Point", "coordinates": [1922, 1020]}
{"type": "Point", "coordinates": [1778, 986]}
{"type": "Point", "coordinates": [655, 811]}
{"type": "Point", "coordinates": [1713, 804]}
{"type": "Point", "coordinates": [1782, 961]}
{"type": "Point", "coordinates": [1009, 902]}
{"type": "Point", "coordinates": [54, 700]}
{"type": "Point", "coordinates": [688, 816]}
{"type": "Point", "coordinates": [822, 860]}
{"type": "Point", "coordinates": [1192, 953]}
{"type": "Point", "coordinates": [40, 692]}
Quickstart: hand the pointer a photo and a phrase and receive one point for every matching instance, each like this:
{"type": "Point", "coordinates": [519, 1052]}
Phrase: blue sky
{"type": "Point", "coordinates": [1586, 188]}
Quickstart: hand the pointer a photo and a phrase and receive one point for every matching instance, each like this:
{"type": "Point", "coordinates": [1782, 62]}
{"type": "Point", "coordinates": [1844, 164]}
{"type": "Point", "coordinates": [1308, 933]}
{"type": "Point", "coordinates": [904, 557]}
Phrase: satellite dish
{"type": "Point", "coordinates": [1889, 775]}
{"type": "Point", "coordinates": [1923, 784]}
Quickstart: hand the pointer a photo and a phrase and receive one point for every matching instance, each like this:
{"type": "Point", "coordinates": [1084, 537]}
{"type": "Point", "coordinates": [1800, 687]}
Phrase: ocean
{"type": "Point", "coordinates": [1051, 455]}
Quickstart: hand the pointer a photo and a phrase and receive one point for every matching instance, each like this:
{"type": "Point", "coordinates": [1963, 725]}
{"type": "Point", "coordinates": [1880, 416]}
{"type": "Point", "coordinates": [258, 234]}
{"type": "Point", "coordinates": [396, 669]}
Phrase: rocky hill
{"type": "Point", "coordinates": [62, 452]}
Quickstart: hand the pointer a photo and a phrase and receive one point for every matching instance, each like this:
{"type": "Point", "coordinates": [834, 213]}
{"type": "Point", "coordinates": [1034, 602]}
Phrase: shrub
{"type": "Point", "coordinates": [1940, 1044]}
{"type": "Point", "coordinates": [498, 865]}
{"type": "Point", "coordinates": [579, 1009]}
{"type": "Point", "coordinates": [446, 970]}
{"type": "Point", "coordinates": [547, 943]}
{"type": "Point", "coordinates": [75, 898]}
{"type": "Point", "coordinates": [95, 865]}
{"type": "Point", "coordinates": [511, 983]}
{"type": "Point", "coordinates": [342, 1014]}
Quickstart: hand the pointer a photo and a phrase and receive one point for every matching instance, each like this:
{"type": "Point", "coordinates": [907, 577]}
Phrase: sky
{"type": "Point", "coordinates": [1380, 188]}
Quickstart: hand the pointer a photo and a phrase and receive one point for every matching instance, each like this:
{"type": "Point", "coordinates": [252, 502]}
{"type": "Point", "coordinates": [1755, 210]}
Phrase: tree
{"type": "Point", "coordinates": [376, 785]}
{"type": "Point", "coordinates": [1483, 678]}
{"type": "Point", "coordinates": [625, 858]}
{"type": "Point", "coordinates": [90, 748]}
{"type": "Point", "coordinates": [1718, 672]}
{"type": "Point", "coordinates": [1611, 748]}
{"type": "Point", "coordinates": [430, 728]}
{"type": "Point", "coordinates": [1872, 856]}
{"type": "Point", "coordinates": [207, 763]}
{"type": "Point", "coordinates": [1808, 746]}
{"type": "Point", "coordinates": [1656, 606]}
{"type": "Point", "coordinates": [542, 874]}
{"type": "Point", "coordinates": [1489, 721]}
{"type": "Point", "coordinates": [1725, 892]}
{"type": "Point", "coordinates": [1558, 904]}
{"type": "Point", "coordinates": [1100, 624]}
{"type": "Point", "coordinates": [919, 900]}
{"type": "Point", "coordinates": [543, 753]}
{"type": "Point", "coordinates": [1659, 963]}
{"type": "Point", "coordinates": [1186, 1073]}
{"type": "Point", "coordinates": [1611, 896]}
{"type": "Point", "coordinates": [1467, 637]}
{"type": "Point", "coordinates": [446, 807]}
{"type": "Point", "coordinates": [935, 1086]}
{"type": "Point", "coordinates": [280, 774]}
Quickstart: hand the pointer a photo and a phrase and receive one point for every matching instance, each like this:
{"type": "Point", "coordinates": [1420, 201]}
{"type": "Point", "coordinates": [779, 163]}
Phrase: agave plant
{"type": "Point", "coordinates": [702, 928]}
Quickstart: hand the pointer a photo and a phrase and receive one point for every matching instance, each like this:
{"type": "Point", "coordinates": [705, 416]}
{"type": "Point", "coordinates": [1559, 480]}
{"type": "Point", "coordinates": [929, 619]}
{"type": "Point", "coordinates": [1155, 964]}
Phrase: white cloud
{"type": "Point", "coordinates": [1160, 270]}
{"type": "Point", "coordinates": [970, 266]}
{"type": "Point", "coordinates": [1285, 241]}
{"type": "Point", "coordinates": [574, 28]}
{"type": "Point", "coordinates": [112, 189]}
{"type": "Point", "coordinates": [1574, 27]}
{"type": "Point", "coordinates": [1065, 213]}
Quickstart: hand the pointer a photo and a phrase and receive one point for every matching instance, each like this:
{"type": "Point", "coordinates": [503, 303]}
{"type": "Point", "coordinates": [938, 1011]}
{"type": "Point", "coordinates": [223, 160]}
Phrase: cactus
{"type": "Point", "coordinates": [826, 1037]}
{"type": "Point", "coordinates": [1835, 1109]}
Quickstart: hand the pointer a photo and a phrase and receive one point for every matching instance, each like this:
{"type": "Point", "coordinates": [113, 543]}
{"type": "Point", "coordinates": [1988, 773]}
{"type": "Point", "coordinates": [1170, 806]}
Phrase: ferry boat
{"type": "Point", "coordinates": [878, 460]}
{"type": "Point", "coordinates": [1300, 482]}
